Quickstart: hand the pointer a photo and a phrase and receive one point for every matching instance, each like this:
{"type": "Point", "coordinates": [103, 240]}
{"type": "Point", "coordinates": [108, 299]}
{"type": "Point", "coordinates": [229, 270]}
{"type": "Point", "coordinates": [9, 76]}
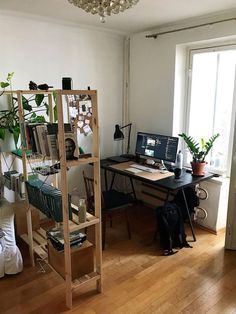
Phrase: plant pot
{"type": "Point", "coordinates": [198, 168]}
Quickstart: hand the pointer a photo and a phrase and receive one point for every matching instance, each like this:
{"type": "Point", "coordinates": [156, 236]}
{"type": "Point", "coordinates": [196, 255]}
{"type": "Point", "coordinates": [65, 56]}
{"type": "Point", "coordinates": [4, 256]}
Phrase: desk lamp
{"type": "Point", "coordinates": [119, 135]}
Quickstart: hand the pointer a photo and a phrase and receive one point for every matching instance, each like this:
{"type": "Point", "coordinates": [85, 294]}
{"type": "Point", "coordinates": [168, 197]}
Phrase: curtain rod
{"type": "Point", "coordinates": [189, 27]}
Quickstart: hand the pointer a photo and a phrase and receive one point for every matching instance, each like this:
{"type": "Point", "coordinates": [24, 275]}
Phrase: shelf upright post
{"type": "Point", "coordinates": [64, 192]}
{"type": "Point", "coordinates": [24, 164]}
{"type": "Point", "coordinates": [97, 190]}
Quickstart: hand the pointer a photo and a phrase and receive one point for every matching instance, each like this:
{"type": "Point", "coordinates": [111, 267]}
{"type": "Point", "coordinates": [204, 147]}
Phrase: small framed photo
{"type": "Point", "coordinates": [71, 146]}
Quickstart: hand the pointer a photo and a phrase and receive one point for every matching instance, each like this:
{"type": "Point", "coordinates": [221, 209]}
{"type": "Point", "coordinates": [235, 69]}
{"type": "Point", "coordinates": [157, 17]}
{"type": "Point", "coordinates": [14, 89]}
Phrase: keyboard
{"type": "Point", "coordinates": [133, 170]}
{"type": "Point", "coordinates": [144, 168]}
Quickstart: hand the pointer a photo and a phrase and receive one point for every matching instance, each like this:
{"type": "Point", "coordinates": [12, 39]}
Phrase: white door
{"type": "Point", "coordinates": [230, 239]}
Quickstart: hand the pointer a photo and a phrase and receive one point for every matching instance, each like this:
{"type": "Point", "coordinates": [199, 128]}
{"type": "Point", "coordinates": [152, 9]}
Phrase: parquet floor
{"type": "Point", "coordinates": [137, 278]}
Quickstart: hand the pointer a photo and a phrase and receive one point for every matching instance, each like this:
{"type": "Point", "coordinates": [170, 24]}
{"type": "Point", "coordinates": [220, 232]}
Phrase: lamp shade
{"type": "Point", "coordinates": [118, 135]}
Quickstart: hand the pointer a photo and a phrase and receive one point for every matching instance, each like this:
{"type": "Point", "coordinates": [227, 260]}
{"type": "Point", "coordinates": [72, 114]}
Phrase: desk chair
{"type": "Point", "coordinates": [113, 203]}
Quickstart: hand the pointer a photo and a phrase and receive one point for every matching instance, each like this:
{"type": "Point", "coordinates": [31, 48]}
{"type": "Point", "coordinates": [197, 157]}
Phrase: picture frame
{"type": "Point", "coordinates": [71, 146]}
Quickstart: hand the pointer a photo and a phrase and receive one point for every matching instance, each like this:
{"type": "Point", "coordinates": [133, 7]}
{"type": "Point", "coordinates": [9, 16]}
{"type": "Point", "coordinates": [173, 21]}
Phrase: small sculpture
{"type": "Point", "coordinates": [34, 86]}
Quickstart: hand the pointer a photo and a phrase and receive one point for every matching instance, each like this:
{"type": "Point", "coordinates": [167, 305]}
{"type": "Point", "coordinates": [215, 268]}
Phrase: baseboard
{"type": "Point", "coordinates": [222, 230]}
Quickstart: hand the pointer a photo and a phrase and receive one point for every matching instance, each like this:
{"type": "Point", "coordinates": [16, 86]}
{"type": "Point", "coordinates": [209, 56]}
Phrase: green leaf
{"type": "Point", "coordinates": [37, 119]}
{"type": "Point", "coordinates": [26, 104]}
{"type": "Point", "coordinates": [40, 119]}
{"type": "Point", "coordinates": [4, 84]}
{"type": "Point", "coordinates": [47, 108]}
{"type": "Point", "coordinates": [2, 133]}
{"type": "Point", "coordinates": [33, 115]}
{"type": "Point", "coordinates": [54, 94]}
{"type": "Point", "coordinates": [38, 99]}
{"type": "Point", "coordinates": [55, 113]}
{"type": "Point", "coordinates": [9, 76]}
{"type": "Point", "coordinates": [16, 134]}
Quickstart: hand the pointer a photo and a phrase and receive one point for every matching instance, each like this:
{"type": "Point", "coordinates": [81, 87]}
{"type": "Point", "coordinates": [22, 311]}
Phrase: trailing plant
{"type": "Point", "coordinates": [9, 119]}
{"type": "Point", "coordinates": [199, 151]}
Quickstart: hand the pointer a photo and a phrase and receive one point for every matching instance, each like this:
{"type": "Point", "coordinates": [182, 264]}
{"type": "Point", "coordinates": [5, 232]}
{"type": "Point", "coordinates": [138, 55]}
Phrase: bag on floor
{"type": "Point", "coordinates": [171, 228]}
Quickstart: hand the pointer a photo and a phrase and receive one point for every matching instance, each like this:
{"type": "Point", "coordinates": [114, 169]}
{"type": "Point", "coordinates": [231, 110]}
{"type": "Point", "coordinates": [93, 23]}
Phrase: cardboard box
{"type": "Point", "coordinates": [82, 260]}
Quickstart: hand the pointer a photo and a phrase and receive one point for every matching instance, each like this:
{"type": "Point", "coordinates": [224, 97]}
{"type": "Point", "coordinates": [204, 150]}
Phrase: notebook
{"type": "Point", "coordinates": [118, 159]}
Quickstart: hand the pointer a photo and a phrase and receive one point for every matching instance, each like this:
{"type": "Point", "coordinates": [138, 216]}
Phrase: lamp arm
{"type": "Point", "coordinates": [128, 144]}
{"type": "Point", "coordinates": [125, 126]}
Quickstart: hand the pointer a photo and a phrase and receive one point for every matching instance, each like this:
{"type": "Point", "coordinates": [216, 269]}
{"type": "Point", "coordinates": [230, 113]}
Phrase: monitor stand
{"type": "Point", "coordinates": [162, 166]}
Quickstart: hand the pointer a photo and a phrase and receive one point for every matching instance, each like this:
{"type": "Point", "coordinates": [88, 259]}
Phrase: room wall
{"type": "Point", "coordinates": [153, 70]}
{"type": "Point", "coordinates": [47, 51]}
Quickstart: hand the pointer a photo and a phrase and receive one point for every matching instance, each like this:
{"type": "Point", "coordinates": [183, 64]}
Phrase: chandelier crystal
{"type": "Point", "coordinates": [104, 7]}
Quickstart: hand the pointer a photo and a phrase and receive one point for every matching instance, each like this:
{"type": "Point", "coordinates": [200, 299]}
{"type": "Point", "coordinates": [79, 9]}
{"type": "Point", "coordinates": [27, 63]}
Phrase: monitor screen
{"type": "Point", "coordinates": [157, 146]}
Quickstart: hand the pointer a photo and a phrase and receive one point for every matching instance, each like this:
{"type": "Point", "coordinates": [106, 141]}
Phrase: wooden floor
{"type": "Point", "coordinates": [137, 278]}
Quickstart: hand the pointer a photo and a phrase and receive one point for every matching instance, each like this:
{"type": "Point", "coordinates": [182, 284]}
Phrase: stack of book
{"type": "Point", "coordinates": [13, 180]}
{"type": "Point", "coordinates": [56, 237]}
{"type": "Point", "coordinates": [42, 138]}
{"type": "Point", "coordinates": [47, 199]}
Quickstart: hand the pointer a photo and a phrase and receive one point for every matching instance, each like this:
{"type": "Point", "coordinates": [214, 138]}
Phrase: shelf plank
{"type": "Point", "coordinates": [77, 283]}
{"type": "Point", "coordinates": [39, 239]}
{"type": "Point", "coordinates": [74, 225]}
{"type": "Point", "coordinates": [81, 161]}
{"type": "Point", "coordinates": [40, 250]}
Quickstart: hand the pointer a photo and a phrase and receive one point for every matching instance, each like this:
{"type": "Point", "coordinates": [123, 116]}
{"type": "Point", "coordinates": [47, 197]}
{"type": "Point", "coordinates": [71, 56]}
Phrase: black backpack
{"type": "Point", "coordinates": [171, 228]}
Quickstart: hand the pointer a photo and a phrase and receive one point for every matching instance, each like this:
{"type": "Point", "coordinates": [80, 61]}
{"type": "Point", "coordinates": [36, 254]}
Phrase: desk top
{"type": "Point", "coordinates": [143, 174]}
{"type": "Point", "coordinates": [166, 181]}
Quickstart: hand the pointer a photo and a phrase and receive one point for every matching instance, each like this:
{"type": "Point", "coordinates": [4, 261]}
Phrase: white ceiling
{"type": "Point", "coordinates": [147, 14]}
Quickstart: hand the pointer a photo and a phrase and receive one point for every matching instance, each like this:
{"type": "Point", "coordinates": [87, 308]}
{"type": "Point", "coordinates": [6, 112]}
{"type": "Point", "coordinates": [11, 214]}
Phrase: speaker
{"type": "Point", "coordinates": [137, 158]}
{"type": "Point", "coordinates": [67, 83]}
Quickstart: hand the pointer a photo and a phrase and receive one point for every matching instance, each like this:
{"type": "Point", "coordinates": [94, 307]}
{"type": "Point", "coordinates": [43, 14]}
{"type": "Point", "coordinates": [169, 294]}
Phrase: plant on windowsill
{"type": "Point", "coordinates": [9, 119]}
{"type": "Point", "coordinates": [199, 151]}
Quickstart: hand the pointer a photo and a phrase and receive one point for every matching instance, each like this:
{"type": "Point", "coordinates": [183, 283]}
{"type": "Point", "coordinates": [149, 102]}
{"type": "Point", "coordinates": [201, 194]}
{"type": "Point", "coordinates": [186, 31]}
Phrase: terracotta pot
{"type": "Point", "coordinates": [198, 168]}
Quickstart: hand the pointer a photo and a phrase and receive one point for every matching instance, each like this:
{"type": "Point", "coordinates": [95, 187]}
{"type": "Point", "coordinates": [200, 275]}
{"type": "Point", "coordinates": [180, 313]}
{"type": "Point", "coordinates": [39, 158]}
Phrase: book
{"type": "Point", "coordinates": [32, 137]}
{"type": "Point", "coordinates": [42, 137]}
{"type": "Point", "coordinates": [56, 237]}
{"type": "Point", "coordinates": [52, 146]}
{"type": "Point", "coordinates": [36, 140]}
{"type": "Point", "coordinates": [53, 128]}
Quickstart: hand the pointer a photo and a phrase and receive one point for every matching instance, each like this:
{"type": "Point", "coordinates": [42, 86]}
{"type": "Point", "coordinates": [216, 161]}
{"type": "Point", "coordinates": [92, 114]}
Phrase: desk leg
{"type": "Point", "coordinates": [189, 217]}
{"type": "Point", "coordinates": [133, 190]}
{"type": "Point", "coordinates": [105, 175]}
{"type": "Point", "coordinates": [112, 180]}
{"type": "Point", "coordinates": [106, 181]}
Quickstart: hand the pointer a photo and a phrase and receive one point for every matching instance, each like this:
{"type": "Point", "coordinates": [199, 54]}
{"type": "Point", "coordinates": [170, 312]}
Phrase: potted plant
{"type": "Point", "coordinates": [9, 119]}
{"type": "Point", "coordinates": [199, 151]}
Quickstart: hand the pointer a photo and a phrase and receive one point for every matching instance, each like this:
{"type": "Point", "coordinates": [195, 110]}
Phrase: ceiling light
{"type": "Point", "coordinates": [104, 7]}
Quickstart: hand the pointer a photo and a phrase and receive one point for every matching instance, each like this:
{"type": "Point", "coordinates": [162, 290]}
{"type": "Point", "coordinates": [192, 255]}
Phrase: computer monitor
{"type": "Point", "coordinates": [156, 146]}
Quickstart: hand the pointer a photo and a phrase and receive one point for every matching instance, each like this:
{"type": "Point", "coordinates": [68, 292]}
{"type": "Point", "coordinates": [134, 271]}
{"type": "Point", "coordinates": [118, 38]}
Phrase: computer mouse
{"type": "Point", "coordinates": [163, 171]}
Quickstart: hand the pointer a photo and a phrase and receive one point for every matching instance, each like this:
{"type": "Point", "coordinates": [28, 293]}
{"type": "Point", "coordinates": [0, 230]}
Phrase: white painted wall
{"type": "Point", "coordinates": [152, 75]}
{"type": "Point", "coordinates": [46, 52]}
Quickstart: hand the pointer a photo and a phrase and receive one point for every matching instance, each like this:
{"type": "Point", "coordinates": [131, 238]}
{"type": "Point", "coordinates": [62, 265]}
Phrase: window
{"type": "Point", "coordinates": [210, 101]}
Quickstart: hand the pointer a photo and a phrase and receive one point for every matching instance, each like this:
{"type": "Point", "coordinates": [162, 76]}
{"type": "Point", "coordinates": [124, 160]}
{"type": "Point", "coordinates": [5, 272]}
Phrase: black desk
{"type": "Point", "coordinates": [168, 184]}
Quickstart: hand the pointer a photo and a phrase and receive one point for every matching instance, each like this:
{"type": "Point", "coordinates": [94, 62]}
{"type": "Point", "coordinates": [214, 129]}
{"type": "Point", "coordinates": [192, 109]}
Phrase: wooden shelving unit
{"type": "Point", "coordinates": [37, 239]}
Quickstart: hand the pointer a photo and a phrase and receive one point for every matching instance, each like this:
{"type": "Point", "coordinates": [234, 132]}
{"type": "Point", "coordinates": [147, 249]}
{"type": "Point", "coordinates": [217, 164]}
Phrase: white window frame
{"type": "Point", "coordinates": [189, 63]}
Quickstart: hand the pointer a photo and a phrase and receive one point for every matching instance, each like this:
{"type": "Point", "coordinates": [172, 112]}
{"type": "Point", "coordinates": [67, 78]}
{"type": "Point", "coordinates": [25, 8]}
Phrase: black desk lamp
{"type": "Point", "coordinates": [118, 136]}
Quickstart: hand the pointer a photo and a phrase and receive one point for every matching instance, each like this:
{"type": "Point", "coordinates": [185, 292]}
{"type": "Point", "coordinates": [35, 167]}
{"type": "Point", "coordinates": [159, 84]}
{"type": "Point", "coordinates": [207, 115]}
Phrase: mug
{"type": "Point", "coordinates": [177, 173]}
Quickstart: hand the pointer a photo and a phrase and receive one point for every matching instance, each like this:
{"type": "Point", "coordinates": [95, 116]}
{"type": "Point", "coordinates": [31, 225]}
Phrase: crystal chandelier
{"type": "Point", "coordinates": [104, 7]}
